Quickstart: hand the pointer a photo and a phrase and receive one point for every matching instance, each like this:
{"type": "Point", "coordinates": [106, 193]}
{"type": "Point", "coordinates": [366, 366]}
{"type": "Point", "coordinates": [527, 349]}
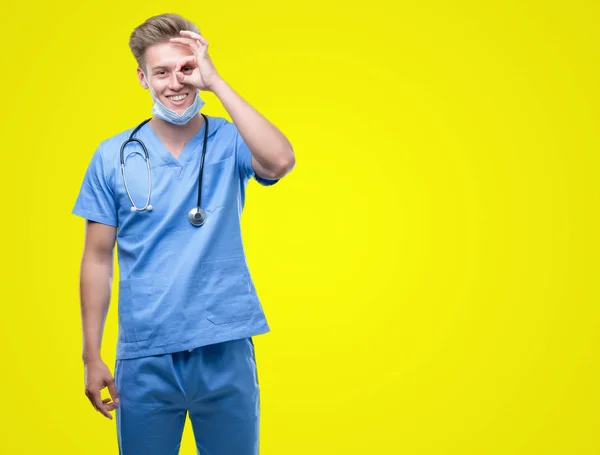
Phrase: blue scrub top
{"type": "Point", "coordinates": [181, 286]}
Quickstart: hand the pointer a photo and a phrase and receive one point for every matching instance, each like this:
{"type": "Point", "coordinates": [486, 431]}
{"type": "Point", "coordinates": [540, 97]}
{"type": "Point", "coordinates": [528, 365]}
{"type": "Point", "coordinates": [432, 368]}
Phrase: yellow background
{"type": "Point", "coordinates": [430, 267]}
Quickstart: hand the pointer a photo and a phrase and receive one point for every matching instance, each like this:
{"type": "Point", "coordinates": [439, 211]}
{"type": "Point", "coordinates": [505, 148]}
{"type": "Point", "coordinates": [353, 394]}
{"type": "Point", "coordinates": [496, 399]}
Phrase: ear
{"type": "Point", "coordinates": [142, 78]}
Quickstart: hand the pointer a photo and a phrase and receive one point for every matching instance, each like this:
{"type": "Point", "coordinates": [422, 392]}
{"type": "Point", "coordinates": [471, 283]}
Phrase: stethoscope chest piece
{"type": "Point", "coordinates": [197, 216]}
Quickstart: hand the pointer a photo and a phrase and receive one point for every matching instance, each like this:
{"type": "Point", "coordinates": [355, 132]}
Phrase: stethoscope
{"type": "Point", "coordinates": [197, 215]}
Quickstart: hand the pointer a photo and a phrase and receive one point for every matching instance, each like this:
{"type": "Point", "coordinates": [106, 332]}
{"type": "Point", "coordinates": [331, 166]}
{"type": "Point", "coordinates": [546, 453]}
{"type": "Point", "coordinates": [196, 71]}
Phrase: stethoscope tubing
{"type": "Point", "coordinates": [147, 206]}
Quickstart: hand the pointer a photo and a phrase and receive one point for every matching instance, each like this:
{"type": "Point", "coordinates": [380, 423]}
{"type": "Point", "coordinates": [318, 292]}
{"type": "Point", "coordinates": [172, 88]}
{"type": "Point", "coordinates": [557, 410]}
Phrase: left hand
{"type": "Point", "coordinates": [203, 75]}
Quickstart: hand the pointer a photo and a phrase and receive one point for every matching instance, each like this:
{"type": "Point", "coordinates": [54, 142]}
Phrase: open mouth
{"type": "Point", "coordinates": [178, 100]}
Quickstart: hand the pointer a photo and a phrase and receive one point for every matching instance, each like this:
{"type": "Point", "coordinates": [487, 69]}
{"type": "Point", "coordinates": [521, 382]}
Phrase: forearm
{"type": "Point", "coordinates": [267, 144]}
{"type": "Point", "coordinates": [95, 292]}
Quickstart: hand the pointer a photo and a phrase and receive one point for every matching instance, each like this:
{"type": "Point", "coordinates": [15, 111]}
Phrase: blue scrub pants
{"type": "Point", "coordinates": [216, 384]}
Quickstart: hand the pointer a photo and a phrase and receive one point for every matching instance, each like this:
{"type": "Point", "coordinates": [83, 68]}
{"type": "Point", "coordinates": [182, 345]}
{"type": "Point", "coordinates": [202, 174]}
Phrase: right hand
{"type": "Point", "coordinates": [97, 377]}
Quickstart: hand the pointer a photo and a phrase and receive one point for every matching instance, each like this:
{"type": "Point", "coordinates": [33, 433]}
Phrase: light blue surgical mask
{"type": "Point", "coordinates": [161, 111]}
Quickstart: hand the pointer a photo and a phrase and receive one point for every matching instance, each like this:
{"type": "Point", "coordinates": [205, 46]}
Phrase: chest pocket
{"type": "Point", "coordinates": [217, 185]}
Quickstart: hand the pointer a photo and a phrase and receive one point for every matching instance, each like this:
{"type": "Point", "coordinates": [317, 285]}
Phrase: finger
{"type": "Point", "coordinates": [97, 402]}
{"type": "Point", "coordinates": [90, 395]}
{"type": "Point", "coordinates": [194, 44]}
{"type": "Point", "coordinates": [189, 33]}
{"type": "Point", "coordinates": [112, 389]}
{"type": "Point", "coordinates": [111, 406]}
{"type": "Point", "coordinates": [187, 61]}
{"type": "Point", "coordinates": [194, 35]}
{"type": "Point", "coordinates": [202, 52]}
{"type": "Point", "coordinates": [104, 411]}
{"type": "Point", "coordinates": [199, 38]}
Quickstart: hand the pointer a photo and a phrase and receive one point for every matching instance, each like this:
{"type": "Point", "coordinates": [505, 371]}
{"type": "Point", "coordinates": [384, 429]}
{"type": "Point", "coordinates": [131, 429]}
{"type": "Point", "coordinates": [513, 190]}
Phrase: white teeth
{"type": "Point", "coordinates": [177, 98]}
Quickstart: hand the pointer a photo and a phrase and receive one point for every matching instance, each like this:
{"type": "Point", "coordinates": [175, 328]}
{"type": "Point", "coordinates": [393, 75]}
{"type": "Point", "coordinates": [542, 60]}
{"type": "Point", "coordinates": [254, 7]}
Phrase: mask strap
{"type": "Point", "coordinates": [149, 86]}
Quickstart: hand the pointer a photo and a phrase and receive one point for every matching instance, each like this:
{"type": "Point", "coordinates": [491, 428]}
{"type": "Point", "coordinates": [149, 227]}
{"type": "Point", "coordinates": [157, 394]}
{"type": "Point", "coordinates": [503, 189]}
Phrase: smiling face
{"type": "Point", "coordinates": [161, 60]}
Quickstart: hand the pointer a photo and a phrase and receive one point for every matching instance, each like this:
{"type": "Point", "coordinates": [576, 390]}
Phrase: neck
{"type": "Point", "coordinates": [176, 135]}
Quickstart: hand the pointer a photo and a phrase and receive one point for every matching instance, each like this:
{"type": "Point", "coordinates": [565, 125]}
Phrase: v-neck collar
{"type": "Point", "coordinates": [185, 155]}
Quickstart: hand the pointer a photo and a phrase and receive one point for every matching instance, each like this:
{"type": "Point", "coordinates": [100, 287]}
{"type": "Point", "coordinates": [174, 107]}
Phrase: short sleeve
{"type": "Point", "coordinates": [244, 160]}
{"type": "Point", "coordinates": [96, 199]}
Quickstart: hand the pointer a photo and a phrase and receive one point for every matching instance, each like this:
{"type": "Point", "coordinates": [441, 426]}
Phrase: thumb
{"type": "Point", "coordinates": [180, 77]}
{"type": "Point", "coordinates": [112, 389]}
{"type": "Point", "coordinates": [189, 61]}
{"type": "Point", "coordinates": [184, 68]}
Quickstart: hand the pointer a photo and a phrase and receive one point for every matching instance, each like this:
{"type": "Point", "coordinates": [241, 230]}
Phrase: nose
{"type": "Point", "coordinates": [174, 84]}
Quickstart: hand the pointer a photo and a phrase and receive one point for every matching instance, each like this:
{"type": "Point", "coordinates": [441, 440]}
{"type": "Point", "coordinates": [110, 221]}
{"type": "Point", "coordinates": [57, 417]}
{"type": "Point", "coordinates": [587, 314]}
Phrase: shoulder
{"type": "Point", "coordinates": [220, 126]}
{"type": "Point", "coordinates": [110, 148]}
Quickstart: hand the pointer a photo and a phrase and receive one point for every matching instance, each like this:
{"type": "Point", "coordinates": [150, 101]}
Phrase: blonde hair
{"type": "Point", "coordinates": [157, 29]}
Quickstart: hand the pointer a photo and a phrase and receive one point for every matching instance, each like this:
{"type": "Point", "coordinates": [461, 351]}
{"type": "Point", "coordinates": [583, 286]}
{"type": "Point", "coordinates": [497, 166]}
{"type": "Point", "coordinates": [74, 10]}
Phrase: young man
{"type": "Point", "coordinates": [188, 307]}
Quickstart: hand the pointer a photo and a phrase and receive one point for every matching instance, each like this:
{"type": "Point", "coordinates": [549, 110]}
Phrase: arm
{"type": "Point", "coordinates": [95, 291]}
{"type": "Point", "coordinates": [272, 153]}
{"type": "Point", "coordinates": [95, 285]}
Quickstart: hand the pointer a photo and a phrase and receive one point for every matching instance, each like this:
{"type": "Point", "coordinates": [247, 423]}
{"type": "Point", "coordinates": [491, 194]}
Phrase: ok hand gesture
{"type": "Point", "coordinates": [201, 72]}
